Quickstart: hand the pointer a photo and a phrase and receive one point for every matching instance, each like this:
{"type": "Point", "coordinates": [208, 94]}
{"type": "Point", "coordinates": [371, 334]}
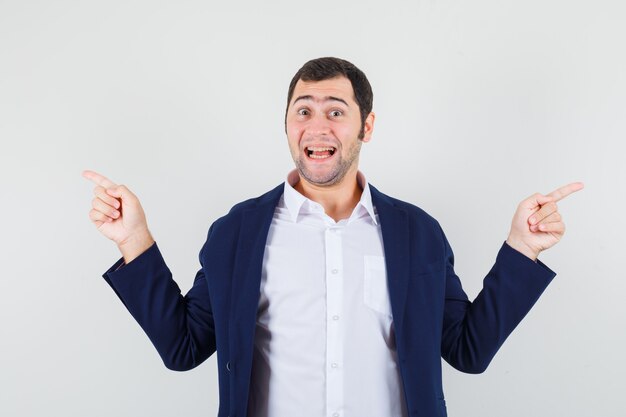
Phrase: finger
{"type": "Point", "coordinates": [562, 192]}
{"type": "Point", "coordinates": [554, 217]}
{"type": "Point", "coordinates": [121, 191]}
{"type": "Point", "coordinates": [104, 208]}
{"type": "Point", "coordinates": [98, 179]}
{"type": "Point", "coordinates": [556, 227]}
{"type": "Point", "coordinates": [98, 218]}
{"type": "Point", "coordinates": [545, 210]}
{"type": "Point", "coordinates": [101, 193]}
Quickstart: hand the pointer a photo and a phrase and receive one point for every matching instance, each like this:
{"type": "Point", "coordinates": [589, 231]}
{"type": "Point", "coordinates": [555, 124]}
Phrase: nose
{"type": "Point", "coordinates": [318, 125]}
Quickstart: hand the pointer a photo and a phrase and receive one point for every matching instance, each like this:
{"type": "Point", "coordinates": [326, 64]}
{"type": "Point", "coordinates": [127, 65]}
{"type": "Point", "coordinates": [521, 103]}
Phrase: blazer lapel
{"type": "Point", "coordinates": [395, 230]}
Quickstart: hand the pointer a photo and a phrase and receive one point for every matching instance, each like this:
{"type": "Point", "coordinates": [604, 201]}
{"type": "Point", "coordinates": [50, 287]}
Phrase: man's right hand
{"type": "Point", "coordinates": [119, 216]}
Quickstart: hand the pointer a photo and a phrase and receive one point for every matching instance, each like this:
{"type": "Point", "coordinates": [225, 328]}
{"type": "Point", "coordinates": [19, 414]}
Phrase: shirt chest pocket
{"type": "Point", "coordinates": [375, 290]}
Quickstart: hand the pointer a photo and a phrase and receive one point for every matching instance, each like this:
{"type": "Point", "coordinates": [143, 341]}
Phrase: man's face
{"type": "Point", "coordinates": [323, 125]}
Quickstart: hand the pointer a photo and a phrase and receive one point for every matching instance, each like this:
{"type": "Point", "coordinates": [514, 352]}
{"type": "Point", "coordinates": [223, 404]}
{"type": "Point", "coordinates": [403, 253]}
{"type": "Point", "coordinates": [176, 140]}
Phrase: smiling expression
{"type": "Point", "coordinates": [323, 125]}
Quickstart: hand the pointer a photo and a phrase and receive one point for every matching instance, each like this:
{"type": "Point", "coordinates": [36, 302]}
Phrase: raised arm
{"type": "Point", "coordinates": [474, 331]}
{"type": "Point", "coordinates": [181, 328]}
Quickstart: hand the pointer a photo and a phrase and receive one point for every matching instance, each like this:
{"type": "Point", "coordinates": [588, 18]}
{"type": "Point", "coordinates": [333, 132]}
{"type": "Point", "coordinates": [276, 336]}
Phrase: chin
{"type": "Point", "coordinates": [329, 177]}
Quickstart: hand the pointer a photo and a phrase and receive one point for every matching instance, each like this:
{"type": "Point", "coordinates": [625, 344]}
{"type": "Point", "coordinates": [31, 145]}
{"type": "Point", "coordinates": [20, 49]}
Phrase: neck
{"type": "Point", "coordinates": [338, 199]}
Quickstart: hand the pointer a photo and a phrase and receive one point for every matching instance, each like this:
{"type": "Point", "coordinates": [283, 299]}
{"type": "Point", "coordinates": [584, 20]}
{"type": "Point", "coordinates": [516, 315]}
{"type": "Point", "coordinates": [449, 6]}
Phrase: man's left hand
{"type": "Point", "coordinates": [537, 223]}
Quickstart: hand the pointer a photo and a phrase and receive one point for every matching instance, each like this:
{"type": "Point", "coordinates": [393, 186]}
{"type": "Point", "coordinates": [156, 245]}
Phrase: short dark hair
{"type": "Point", "coordinates": [320, 69]}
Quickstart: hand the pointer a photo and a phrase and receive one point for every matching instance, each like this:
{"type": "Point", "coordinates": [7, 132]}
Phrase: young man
{"type": "Point", "coordinates": [324, 296]}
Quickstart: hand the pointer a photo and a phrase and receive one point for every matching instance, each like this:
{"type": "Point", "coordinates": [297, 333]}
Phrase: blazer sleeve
{"type": "Point", "coordinates": [181, 328]}
{"type": "Point", "coordinates": [474, 331]}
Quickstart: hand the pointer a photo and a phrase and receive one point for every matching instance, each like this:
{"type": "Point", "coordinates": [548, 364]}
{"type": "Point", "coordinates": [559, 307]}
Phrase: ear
{"type": "Point", "coordinates": [368, 127]}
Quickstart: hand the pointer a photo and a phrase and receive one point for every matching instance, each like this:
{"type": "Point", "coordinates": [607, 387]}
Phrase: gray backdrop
{"type": "Point", "coordinates": [479, 104]}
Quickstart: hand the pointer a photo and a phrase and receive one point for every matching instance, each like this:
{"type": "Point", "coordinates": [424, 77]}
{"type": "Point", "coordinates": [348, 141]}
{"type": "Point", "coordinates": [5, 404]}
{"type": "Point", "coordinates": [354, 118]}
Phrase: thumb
{"type": "Point", "coordinates": [543, 199]}
{"type": "Point", "coordinates": [535, 201]}
{"type": "Point", "coordinates": [120, 191]}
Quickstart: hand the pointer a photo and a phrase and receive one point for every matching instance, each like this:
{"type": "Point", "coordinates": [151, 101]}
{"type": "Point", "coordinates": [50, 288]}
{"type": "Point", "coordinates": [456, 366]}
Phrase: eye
{"type": "Point", "coordinates": [335, 113]}
{"type": "Point", "coordinates": [303, 112]}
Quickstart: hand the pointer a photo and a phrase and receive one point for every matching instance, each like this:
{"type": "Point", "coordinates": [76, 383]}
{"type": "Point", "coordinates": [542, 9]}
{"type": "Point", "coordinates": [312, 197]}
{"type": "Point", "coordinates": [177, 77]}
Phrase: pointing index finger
{"type": "Point", "coordinates": [564, 191]}
{"type": "Point", "coordinates": [98, 179]}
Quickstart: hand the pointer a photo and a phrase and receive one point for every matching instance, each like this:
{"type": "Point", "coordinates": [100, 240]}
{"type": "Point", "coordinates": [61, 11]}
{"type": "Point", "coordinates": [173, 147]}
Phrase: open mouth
{"type": "Point", "coordinates": [320, 152]}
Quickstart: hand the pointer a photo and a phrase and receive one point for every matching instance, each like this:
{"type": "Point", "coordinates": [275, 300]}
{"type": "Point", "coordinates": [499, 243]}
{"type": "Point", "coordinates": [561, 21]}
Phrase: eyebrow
{"type": "Point", "coordinates": [327, 98]}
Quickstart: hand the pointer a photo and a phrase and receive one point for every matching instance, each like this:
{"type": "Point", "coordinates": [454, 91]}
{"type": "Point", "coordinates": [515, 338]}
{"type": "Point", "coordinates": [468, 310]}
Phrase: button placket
{"type": "Point", "coordinates": [334, 332]}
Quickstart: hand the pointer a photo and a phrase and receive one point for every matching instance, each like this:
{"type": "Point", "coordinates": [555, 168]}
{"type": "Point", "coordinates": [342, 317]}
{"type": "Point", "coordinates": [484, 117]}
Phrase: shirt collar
{"type": "Point", "coordinates": [294, 201]}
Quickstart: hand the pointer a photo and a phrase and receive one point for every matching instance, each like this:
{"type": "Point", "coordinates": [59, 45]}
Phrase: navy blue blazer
{"type": "Point", "coordinates": [432, 315]}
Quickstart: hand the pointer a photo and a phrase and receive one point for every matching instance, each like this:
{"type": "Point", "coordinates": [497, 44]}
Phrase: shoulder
{"type": "Point", "coordinates": [265, 201]}
{"type": "Point", "coordinates": [415, 214]}
{"type": "Point", "coordinates": [424, 230]}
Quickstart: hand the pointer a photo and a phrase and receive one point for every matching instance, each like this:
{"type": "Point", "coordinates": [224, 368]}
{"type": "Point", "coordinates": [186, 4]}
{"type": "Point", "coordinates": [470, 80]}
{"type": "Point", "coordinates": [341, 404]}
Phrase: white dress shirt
{"type": "Point", "coordinates": [324, 344]}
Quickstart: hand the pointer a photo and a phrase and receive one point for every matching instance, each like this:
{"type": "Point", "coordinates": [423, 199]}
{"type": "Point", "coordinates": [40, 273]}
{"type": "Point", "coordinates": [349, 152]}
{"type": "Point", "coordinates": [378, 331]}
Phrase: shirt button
{"type": "Point", "coordinates": [335, 271]}
{"type": "Point", "coordinates": [333, 365]}
{"type": "Point", "coordinates": [335, 317]}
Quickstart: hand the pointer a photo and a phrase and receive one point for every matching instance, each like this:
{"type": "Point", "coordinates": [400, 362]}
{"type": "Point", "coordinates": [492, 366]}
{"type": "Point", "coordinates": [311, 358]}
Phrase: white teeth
{"type": "Point", "coordinates": [320, 149]}
{"type": "Point", "coordinates": [312, 150]}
